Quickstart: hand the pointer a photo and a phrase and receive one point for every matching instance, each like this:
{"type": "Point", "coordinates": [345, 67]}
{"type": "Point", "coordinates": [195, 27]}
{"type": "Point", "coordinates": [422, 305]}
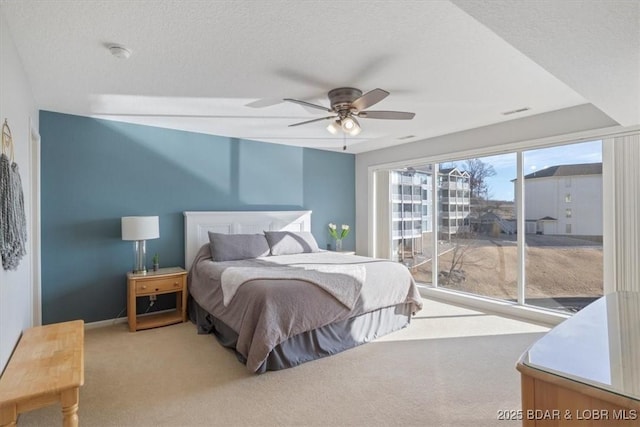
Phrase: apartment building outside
{"type": "Point", "coordinates": [455, 202]}
{"type": "Point", "coordinates": [411, 208]}
{"type": "Point", "coordinates": [565, 200]}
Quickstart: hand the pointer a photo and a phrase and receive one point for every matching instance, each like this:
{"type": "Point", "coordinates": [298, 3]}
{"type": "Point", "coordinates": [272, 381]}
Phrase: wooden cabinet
{"type": "Point", "coordinates": [163, 281]}
{"type": "Point", "coordinates": [550, 400]}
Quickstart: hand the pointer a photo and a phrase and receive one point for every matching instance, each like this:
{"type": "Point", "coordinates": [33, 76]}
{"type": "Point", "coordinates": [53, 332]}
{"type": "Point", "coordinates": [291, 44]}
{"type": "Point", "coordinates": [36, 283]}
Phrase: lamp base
{"type": "Point", "coordinates": [139, 257]}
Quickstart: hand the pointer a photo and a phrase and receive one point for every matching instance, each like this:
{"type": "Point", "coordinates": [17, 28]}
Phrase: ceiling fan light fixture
{"type": "Point", "coordinates": [351, 126]}
{"type": "Point", "coordinates": [347, 103]}
{"type": "Point", "coordinates": [355, 131]}
{"type": "Point", "coordinates": [334, 127]}
{"type": "Point", "coordinates": [348, 124]}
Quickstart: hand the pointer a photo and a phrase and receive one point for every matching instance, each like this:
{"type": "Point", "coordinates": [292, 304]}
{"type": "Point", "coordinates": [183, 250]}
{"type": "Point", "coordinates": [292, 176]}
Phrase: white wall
{"type": "Point", "coordinates": [507, 134]}
{"type": "Point", "coordinates": [18, 107]}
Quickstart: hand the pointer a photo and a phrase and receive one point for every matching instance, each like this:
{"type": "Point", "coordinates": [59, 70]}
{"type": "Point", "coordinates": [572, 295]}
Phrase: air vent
{"type": "Point", "coordinates": [119, 51]}
{"type": "Point", "coordinates": [402, 138]}
{"type": "Point", "coordinates": [519, 110]}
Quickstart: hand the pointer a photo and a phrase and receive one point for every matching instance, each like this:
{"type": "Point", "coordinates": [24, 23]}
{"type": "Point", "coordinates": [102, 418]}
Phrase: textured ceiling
{"type": "Point", "coordinates": [223, 67]}
{"type": "Point", "coordinates": [592, 46]}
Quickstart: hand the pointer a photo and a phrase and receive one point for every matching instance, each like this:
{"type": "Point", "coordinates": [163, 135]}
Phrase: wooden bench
{"type": "Point", "coordinates": [46, 367]}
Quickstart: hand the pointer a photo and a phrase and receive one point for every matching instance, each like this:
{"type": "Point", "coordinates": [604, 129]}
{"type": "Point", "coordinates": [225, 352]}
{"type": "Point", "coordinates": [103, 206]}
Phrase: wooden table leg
{"type": "Point", "coordinates": [69, 400]}
{"type": "Point", "coordinates": [8, 415]}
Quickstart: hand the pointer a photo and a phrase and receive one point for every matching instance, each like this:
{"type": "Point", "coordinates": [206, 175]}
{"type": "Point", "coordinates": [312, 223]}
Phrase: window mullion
{"type": "Point", "coordinates": [435, 219]}
{"type": "Point", "coordinates": [520, 226]}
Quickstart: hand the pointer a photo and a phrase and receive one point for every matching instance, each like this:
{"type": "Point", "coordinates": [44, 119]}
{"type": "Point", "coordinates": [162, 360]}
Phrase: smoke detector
{"type": "Point", "coordinates": [119, 51]}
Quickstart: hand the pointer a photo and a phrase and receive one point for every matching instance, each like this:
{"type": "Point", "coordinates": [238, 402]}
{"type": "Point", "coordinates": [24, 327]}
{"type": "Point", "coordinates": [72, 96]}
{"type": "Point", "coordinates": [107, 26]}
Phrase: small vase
{"type": "Point", "coordinates": [338, 245]}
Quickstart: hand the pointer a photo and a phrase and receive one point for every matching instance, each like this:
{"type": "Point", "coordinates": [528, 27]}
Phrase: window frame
{"type": "Point", "coordinates": [519, 147]}
{"type": "Point", "coordinates": [606, 135]}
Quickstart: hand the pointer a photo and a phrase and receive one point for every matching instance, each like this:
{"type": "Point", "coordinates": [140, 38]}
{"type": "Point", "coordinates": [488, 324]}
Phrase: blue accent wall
{"type": "Point", "coordinates": [94, 172]}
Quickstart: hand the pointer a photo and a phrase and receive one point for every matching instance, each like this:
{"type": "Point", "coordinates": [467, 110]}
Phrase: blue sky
{"type": "Point", "coordinates": [500, 185]}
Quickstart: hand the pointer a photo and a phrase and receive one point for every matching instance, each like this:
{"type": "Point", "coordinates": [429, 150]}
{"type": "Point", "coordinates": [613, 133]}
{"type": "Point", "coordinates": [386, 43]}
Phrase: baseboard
{"type": "Point", "coordinates": [117, 320]}
{"type": "Point", "coordinates": [504, 308]}
{"type": "Point", "coordinates": [103, 323]}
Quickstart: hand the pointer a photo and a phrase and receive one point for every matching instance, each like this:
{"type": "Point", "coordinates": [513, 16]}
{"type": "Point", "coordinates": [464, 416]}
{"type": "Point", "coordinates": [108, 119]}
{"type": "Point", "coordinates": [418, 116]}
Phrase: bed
{"type": "Point", "coordinates": [294, 302]}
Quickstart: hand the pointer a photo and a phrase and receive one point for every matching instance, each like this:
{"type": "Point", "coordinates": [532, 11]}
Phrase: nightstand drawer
{"type": "Point", "coordinates": [156, 286]}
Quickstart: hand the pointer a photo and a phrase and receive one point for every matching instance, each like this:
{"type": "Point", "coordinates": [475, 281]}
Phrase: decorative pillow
{"type": "Point", "coordinates": [231, 247]}
{"type": "Point", "coordinates": [291, 242]}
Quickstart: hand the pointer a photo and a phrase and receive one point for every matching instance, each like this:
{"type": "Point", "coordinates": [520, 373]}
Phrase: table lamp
{"type": "Point", "coordinates": [139, 229]}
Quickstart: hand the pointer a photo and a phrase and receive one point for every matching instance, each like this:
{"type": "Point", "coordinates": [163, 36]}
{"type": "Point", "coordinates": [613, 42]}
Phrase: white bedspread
{"type": "Point", "coordinates": [343, 282]}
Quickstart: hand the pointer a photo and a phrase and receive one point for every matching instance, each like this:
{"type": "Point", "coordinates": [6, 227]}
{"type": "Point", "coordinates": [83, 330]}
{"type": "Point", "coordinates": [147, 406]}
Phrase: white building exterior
{"type": "Point", "coordinates": [411, 208]}
{"type": "Point", "coordinates": [565, 199]}
{"type": "Point", "coordinates": [455, 202]}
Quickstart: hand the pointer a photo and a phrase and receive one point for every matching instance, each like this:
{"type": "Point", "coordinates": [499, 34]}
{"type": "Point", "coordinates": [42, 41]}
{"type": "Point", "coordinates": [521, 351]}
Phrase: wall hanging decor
{"type": "Point", "coordinates": [13, 222]}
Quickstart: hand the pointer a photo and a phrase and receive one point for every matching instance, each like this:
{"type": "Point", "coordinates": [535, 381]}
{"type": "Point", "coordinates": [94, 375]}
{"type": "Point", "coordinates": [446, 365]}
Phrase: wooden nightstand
{"type": "Point", "coordinates": [163, 281]}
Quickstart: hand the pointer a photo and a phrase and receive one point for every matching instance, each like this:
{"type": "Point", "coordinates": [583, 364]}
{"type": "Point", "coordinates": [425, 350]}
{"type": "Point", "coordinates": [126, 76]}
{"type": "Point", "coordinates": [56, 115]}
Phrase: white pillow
{"type": "Point", "coordinates": [291, 242]}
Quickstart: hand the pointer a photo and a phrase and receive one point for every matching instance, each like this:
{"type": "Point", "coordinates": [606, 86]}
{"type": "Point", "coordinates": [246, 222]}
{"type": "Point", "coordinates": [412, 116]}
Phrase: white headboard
{"type": "Point", "coordinates": [198, 224]}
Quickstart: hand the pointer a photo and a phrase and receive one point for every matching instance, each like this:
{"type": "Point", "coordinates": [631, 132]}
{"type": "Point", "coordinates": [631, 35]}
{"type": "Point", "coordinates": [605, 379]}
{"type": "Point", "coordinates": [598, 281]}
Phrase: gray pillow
{"type": "Point", "coordinates": [291, 242]}
{"type": "Point", "coordinates": [231, 247]}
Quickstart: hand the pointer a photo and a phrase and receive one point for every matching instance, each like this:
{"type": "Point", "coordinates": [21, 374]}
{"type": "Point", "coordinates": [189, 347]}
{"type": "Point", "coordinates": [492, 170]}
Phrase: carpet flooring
{"type": "Point", "coordinates": [451, 367]}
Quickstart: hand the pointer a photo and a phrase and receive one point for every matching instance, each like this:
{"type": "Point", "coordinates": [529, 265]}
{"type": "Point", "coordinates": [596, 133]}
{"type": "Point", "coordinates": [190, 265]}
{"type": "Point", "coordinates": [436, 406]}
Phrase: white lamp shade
{"type": "Point", "coordinates": [348, 124]}
{"type": "Point", "coordinates": [333, 127]}
{"type": "Point", "coordinates": [140, 227]}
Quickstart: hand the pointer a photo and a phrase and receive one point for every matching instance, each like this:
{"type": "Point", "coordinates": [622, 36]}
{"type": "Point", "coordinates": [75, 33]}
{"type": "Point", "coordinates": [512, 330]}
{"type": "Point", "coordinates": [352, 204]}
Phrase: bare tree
{"type": "Point", "coordinates": [478, 172]}
{"type": "Point", "coordinates": [455, 273]}
{"type": "Point", "coordinates": [452, 272]}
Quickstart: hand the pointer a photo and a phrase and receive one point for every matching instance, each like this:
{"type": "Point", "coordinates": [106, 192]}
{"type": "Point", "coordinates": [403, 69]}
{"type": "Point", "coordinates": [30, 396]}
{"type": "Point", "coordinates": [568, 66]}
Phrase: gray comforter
{"type": "Point", "coordinates": [265, 313]}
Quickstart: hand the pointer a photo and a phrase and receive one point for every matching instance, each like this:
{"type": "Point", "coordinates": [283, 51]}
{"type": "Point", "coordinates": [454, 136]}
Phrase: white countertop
{"type": "Point", "coordinates": [598, 346]}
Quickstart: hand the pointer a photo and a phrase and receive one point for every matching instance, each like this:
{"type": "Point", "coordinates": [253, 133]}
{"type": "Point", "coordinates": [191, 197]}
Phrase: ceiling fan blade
{"type": "Point", "coordinates": [368, 99]}
{"type": "Point", "coordinates": [314, 120]}
{"type": "Point", "coordinates": [389, 115]}
{"type": "Point", "coordinates": [264, 102]}
{"type": "Point", "coordinates": [308, 104]}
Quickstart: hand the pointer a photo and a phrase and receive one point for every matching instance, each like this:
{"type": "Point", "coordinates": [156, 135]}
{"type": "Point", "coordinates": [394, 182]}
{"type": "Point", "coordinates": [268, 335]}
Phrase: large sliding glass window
{"type": "Point", "coordinates": [477, 240]}
{"type": "Point", "coordinates": [411, 219]}
{"type": "Point", "coordinates": [563, 213]}
{"type": "Point", "coordinates": [463, 213]}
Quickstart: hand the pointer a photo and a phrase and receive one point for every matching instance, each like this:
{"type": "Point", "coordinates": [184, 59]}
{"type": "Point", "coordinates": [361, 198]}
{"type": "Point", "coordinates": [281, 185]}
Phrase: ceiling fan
{"type": "Point", "coordinates": [348, 104]}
